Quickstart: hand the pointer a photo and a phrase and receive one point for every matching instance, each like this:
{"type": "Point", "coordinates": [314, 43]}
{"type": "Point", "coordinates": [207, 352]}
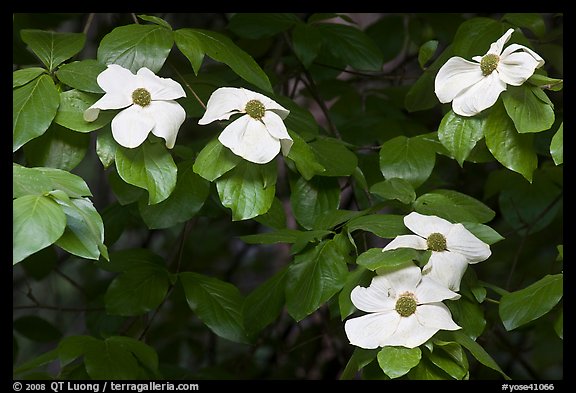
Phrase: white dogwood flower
{"type": "Point", "coordinates": [148, 101]}
{"type": "Point", "coordinates": [453, 247]}
{"type": "Point", "coordinates": [475, 86]}
{"type": "Point", "coordinates": [405, 309]}
{"type": "Point", "coordinates": [259, 134]}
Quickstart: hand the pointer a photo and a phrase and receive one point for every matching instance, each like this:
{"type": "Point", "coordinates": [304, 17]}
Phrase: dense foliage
{"type": "Point", "coordinates": [192, 262]}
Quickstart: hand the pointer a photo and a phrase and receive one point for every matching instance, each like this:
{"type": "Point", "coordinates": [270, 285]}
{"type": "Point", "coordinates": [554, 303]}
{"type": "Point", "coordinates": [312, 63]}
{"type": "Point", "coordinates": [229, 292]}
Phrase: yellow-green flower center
{"type": "Point", "coordinates": [406, 304]}
{"type": "Point", "coordinates": [489, 63]}
{"type": "Point", "coordinates": [255, 109]}
{"type": "Point", "coordinates": [141, 97]}
{"type": "Point", "coordinates": [436, 242]}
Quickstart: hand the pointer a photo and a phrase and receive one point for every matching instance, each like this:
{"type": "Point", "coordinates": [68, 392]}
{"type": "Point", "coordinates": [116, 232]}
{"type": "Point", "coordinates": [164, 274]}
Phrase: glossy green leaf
{"type": "Point", "coordinates": [513, 150]}
{"type": "Point", "coordinates": [34, 106]}
{"type": "Point", "coordinates": [426, 52]}
{"type": "Point", "coordinates": [133, 259]}
{"type": "Point", "coordinates": [248, 189]}
{"type": "Point", "coordinates": [195, 43]}
{"type": "Point", "coordinates": [137, 291]}
{"type": "Point", "coordinates": [450, 358]}
{"type": "Point", "coordinates": [84, 234]}
{"type": "Point", "coordinates": [352, 46]}
{"type": "Point", "coordinates": [53, 48]}
{"type": "Point", "coordinates": [314, 277]}
{"type": "Point", "coordinates": [264, 304]}
{"type": "Point", "coordinates": [411, 159]}
{"type": "Point", "coordinates": [81, 75]}
{"type": "Point", "coordinates": [70, 113]}
{"type": "Point", "coordinates": [334, 157]}
{"type": "Point", "coordinates": [383, 225]}
{"type": "Point", "coordinates": [453, 206]}
{"type": "Point", "coordinates": [136, 46]}
{"type": "Point", "coordinates": [36, 329]}
{"type": "Point", "coordinates": [460, 134]}
{"type": "Point", "coordinates": [397, 361]}
{"type": "Point", "coordinates": [483, 232]}
{"type": "Point", "coordinates": [149, 166]}
{"type": "Point", "coordinates": [38, 181]}
{"type": "Point", "coordinates": [25, 75]}
{"type": "Point", "coordinates": [260, 25]}
{"type": "Point", "coordinates": [546, 83]}
{"type": "Point", "coordinates": [532, 21]}
{"type": "Point", "coordinates": [394, 188]}
{"type": "Point", "coordinates": [156, 20]}
{"type": "Point", "coordinates": [300, 120]}
{"type": "Point", "coordinates": [521, 307]}
{"type": "Point", "coordinates": [527, 111]}
{"type": "Point", "coordinates": [375, 258]}
{"type": "Point", "coordinates": [185, 201]}
{"type": "Point", "coordinates": [106, 146]}
{"type": "Point", "coordinates": [304, 157]}
{"type": "Point", "coordinates": [108, 358]}
{"type": "Point", "coordinates": [469, 315]}
{"type": "Point", "coordinates": [38, 221]}
{"type": "Point", "coordinates": [359, 359]}
{"type": "Point", "coordinates": [217, 303]}
{"type": "Point", "coordinates": [306, 42]}
{"type": "Point", "coordinates": [559, 326]}
{"type": "Point", "coordinates": [311, 199]}
{"type": "Point", "coordinates": [58, 148]}
{"type": "Point", "coordinates": [557, 146]}
{"type": "Point", "coordinates": [214, 160]}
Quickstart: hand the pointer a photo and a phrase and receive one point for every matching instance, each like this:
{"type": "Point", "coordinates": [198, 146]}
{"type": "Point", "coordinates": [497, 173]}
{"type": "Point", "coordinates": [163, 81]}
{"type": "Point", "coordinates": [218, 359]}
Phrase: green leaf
{"type": "Point", "coordinates": [260, 25]}
{"type": "Point", "coordinates": [394, 188]}
{"type": "Point", "coordinates": [73, 185]}
{"type": "Point", "coordinates": [453, 206]}
{"type": "Point", "coordinates": [264, 304]}
{"type": "Point", "coordinates": [356, 277]}
{"type": "Point", "coordinates": [194, 43]}
{"type": "Point", "coordinates": [155, 20]}
{"type": "Point", "coordinates": [359, 359]}
{"type": "Point", "coordinates": [460, 134]}
{"type": "Point", "coordinates": [469, 315]}
{"type": "Point", "coordinates": [34, 106]}
{"type": "Point", "coordinates": [106, 146]}
{"type": "Point", "coordinates": [397, 361]}
{"type": "Point", "coordinates": [82, 75]}
{"type": "Point", "coordinates": [149, 166]}
{"type": "Point", "coordinates": [137, 291]}
{"type": "Point", "coordinates": [513, 150]}
{"type": "Point", "coordinates": [110, 359]}
{"type": "Point", "coordinates": [133, 259]}
{"type": "Point", "coordinates": [306, 43]}
{"type": "Point", "coordinates": [375, 258]}
{"type": "Point", "coordinates": [426, 52]}
{"type": "Point", "coordinates": [383, 225]}
{"type": "Point", "coordinates": [145, 354]}
{"type": "Point", "coordinates": [36, 329]}
{"type": "Point", "coordinates": [334, 218]}
{"type": "Point", "coordinates": [279, 236]}
{"type": "Point", "coordinates": [334, 157]}
{"type": "Point", "coordinates": [217, 303]}
{"type": "Point", "coordinates": [532, 21]}
{"type": "Point", "coordinates": [84, 234]}
{"type": "Point", "coordinates": [411, 159]}
{"type": "Point", "coordinates": [25, 75]}
{"type": "Point", "coordinates": [557, 146]}
{"type": "Point", "coordinates": [304, 157]}
{"type": "Point", "coordinates": [352, 46]}
{"type": "Point", "coordinates": [521, 307]}
{"type": "Point", "coordinates": [57, 148]}
{"type": "Point", "coordinates": [53, 48]}
{"type": "Point", "coordinates": [559, 326]}
{"type": "Point", "coordinates": [70, 113]}
{"type": "Point", "coordinates": [275, 217]}
{"type": "Point", "coordinates": [38, 221]}
{"type": "Point", "coordinates": [544, 82]}
{"type": "Point", "coordinates": [136, 46]}
{"type": "Point", "coordinates": [311, 199]}
{"type": "Point", "coordinates": [483, 232]}
{"type": "Point", "coordinates": [248, 189]}
{"type": "Point", "coordinates": [39, 181]}
{"type": "Point", "coordinates": [529, 113]}
{"type": "Point", "coordinates": [45, 358]}
{"type": "Point", "coordinates": [450, 358]}
{"type": "Point", "coordinates": [185, 201]}
{"type": "Point", "coordinates": [214, 160]}
{"type": "Point", "coordinates": [314, 277]}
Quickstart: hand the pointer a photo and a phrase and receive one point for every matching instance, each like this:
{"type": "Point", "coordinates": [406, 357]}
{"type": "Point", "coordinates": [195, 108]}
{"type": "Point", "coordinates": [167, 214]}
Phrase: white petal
{"type": "Point", "coordinates": [431, 291]}
{"type": "Point", "coordinates": [168, 117]}
{"type": "Point", "coordinates": [113, 101]}
{"type": "Point", "coordinates": [268, 103]}
{"type": "Point", "coordinates": [376, 298]}
{"type": "Point", "coordinates": [424, 225]}
{"type": "Point", "coordinates": [410, 334]}
{"type": "Point", "coordinates": [515, 47]}
{"type": "Point", "coordinates": [446, 268]}
{"type": "Point", "coordinates": [496, 47]}
{"type": "Point", "coordinates": [117, 80]}
{"type": "Point", "coordinates": [277, 129]}
{"type": "Point", "coordinates": [404, 279]}
{"type": "Point", "coordinates": [406, 241]}
{"type": "Point", "coordinates": [91, 114]}
{"type": "Point", "coordinates": [130, 127]}
{"type": "Point", "coordinates": [249, 138]}
{"type": "Point", "coordinates": [455, 76]}
{"type": "Point", "coordinates": [159, 88]}
{"type": "Point", "coordinates": [436, 316]}
{"type": "Point", "coordinates": [223, 103]}
{"type": "Point", "coordinates": [462, 241]}
{"type": "Point", "coordinates": [516, 68]}
{"type": "Point", "coordinates": [369, 330]}
{"type": "Point", "coordinates": [480, 96]}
